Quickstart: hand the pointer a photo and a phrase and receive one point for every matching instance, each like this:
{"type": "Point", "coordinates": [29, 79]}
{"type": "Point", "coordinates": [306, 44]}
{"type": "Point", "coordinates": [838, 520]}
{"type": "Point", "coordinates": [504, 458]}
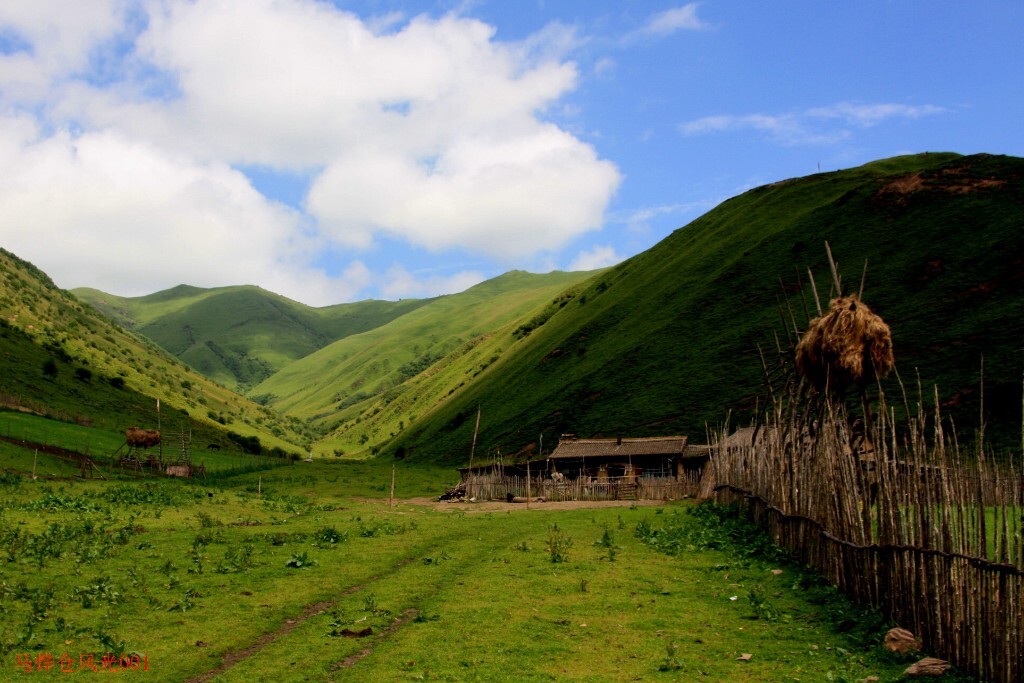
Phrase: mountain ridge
{"type": "Point", "coordinates": [669, 341]}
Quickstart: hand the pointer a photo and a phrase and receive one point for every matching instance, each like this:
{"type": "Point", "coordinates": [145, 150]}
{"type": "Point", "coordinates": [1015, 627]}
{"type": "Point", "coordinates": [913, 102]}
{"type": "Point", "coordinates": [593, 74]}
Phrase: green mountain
{"type": "Point", "coordinates": [339, 380]}
{"type": "Point", "coordinates": [239, 336]}
{"type": "Point", "coordinates": [667, 342]}
{"type": "Point", "coordinates": [62, 359]}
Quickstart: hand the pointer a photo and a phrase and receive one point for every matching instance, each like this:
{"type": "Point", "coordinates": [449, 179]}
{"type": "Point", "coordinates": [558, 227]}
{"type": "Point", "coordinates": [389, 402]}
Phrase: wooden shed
{"type": "Point", "coordinates": [658, 468]}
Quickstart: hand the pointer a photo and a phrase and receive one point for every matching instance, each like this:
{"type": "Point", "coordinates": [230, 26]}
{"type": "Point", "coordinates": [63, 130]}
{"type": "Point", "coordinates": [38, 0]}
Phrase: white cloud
{"type": "Point", "coordinates": [638, 222]}
{"type": "Point", "coordinates": [57, 38]}
{"type": "Point", "coordinates": [605, 66]}
{"type": "Point", "coordinates": [600, 256]}
{"type": "Point", "coordinates": [103, 211]}
{"type": "Point", "coordinates": [668, 22]}
{"type": "Point", "coordinates": [427, 130]}
{"type": "Point", "coordinates": [506, 198]}
{"type": "Point", "coordinates": [817, 125]}
{"type": "Point", "coordinates": [866, 115]}
{"type": "Point", "coordinates": [400, 283]}
{"type": "Point", "coordinates": [675, 19]}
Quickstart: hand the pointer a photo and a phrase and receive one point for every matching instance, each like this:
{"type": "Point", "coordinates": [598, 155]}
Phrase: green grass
{"type": "Point", "coordinates": [100, 445]}
{"type": "Point", "coordinates": [320, 387]}
{"type": "Point", "coordinates": [62, 360]}
{"type": "Point", "coordinates": [183, 573]}
{"type": "Point", "coordinates": [241, 335]}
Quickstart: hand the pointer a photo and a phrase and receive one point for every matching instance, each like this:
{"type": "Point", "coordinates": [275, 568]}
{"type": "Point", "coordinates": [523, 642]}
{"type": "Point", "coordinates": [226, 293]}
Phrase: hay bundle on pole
{"type": "Point", "coordinates": [142, 438]}
{"type": "Point", "coordinates": [847, 345]}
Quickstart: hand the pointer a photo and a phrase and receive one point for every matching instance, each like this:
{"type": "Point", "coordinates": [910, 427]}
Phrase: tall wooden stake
{"type": "Point", "coordinates": [527, 484]}
{"type": "Point", "coordinates": [472, 450]}
{"type": "Point", "coordinates": [835, 271]}
{"type": "Point", "coordinates": [34, 459]}
{"type": "Point", "coordinates": [391, 498]}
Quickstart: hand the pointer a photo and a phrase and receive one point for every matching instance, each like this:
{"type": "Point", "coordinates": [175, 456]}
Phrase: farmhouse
{"type": "Point", "coordinates": [658, 468]}
{"type": "Point", "coordinates": [601, 460]}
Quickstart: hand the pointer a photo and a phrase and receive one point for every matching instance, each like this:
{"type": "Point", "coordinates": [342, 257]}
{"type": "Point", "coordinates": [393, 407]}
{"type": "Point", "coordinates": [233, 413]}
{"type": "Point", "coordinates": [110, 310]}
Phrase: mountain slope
{"type": "Point", "coordinates": [239, 336]}
{"type": "Point", "coordinates": [61, 358]}
{"type": "Point", "coordinates": [355, 369]}
{"type": "Point", "coordinates": [667, 342]}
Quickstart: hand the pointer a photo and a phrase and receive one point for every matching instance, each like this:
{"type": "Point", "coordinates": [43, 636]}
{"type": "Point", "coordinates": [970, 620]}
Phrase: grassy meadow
{"type": "Point", "coordinates": [304, 571]}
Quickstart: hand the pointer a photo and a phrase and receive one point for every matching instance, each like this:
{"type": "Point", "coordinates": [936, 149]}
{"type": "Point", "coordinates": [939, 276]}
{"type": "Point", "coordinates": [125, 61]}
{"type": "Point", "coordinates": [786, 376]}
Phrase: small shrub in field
{"type": "Point", "coordinates": [300, 561]}
{"type": "Point", "coordinates": [207, 521]}
{"type": "Point", "coordinates": [761, 607]}
{"type": "Point", "coordinates": [607, 541]}
{"type": "Point", "coordinates": [185, 602]}
{"type": "Point", "coordinates": [558, 545]}
{"type": "Point", "coordinates": [328, 537]}
{"type": "Point", "coordinates": [671, 662]}
{"type": "Point", "coordinates": [98, 590]}
{"type": "Point", "coordinates": [240, 559]}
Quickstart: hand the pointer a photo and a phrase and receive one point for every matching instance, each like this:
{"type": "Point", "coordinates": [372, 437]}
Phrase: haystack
{"type": "Point", "coordinates": [849, 345]}
{"type": "Point", "coordinates": [142, 438]}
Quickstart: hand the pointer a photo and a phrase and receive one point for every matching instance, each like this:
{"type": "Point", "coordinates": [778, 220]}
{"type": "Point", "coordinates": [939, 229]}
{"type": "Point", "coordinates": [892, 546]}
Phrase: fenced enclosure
{"type": "Point", "coordinates": [909, 522]}
{"type": "Point", "coordinates": [495, 485]}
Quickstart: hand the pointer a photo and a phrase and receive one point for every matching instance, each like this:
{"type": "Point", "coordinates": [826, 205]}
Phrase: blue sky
{"type": "Point", "coordinates": [334, 152]}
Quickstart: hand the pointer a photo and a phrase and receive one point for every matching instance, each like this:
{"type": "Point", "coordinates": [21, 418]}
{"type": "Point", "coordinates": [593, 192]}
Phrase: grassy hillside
{"type": "Point", "coordinates": [239, 336]}
{"type": "Point", "coordinates": [666, 342]}
{"type": "Point", "coordinates": [61, 359]}
{"type": "Point", "coordinates": [338, 381]}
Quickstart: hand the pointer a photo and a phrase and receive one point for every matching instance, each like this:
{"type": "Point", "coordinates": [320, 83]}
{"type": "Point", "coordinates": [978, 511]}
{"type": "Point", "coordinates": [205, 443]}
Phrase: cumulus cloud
{"type": "Point", "coordinates": [670, 21]}
{"type": "Point", "coordinates": [49, 39]}
{"type": "Point", "coordinates": [400, 283]}
{"type": "Point", "coordinates": [600, 256]}
{"type": "Point", "coordinates": [817, 125]}
{"type": "Point", "coordinates": [426, 130]}
{"type": "Point", "coordinates": [123, 216]}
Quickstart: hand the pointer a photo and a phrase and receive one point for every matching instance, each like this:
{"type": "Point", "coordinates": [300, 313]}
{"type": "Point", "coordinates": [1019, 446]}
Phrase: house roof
{"type": "Point", "coordinates": [591, 448]}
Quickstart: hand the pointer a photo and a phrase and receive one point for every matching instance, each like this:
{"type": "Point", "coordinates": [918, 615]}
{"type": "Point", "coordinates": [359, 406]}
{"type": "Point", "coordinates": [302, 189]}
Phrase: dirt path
{"type": "Point", "coordinates": [229, 659]}
{"type": "Point", "coordinates": [63, 453]}
{"type": "Point", "coordinates": [502, 506]}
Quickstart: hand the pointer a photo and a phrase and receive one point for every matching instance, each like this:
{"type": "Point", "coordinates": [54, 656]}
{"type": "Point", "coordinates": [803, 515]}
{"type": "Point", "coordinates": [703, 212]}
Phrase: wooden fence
{"type": "Point", "coordinates": [929, 534]}
{"type": "Point", "coordinates": [496, 486]}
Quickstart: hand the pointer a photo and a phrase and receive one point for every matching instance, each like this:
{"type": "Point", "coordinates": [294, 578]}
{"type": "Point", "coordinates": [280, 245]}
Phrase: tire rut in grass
{"type": "Point", "coordinates": [353, 659]}
{"type": "Point", "coordinates": [229, 659]}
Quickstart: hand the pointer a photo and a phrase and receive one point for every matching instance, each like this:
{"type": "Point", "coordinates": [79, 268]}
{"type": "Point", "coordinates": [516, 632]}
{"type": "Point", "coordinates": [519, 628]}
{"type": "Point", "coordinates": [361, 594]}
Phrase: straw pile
{"type": "Point", "coordinates": [142, 438]}
{"type": "Point", "coordinates": [848, 345]}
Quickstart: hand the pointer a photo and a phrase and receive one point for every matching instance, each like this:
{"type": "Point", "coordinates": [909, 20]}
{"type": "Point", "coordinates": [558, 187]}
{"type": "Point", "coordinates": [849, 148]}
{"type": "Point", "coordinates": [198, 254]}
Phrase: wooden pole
{"type": "Point", "coordinates": [391, 498]}
{"type": "Point", "coordinates": [259, 489]}
{"type": "Point", "coordinates": [835, 271]}
{"type": "Point", "coordinates": [472, 450]}
{"type": "Point", "coordinates": [814, 290]}
{"type": "Point", "coordinates": [527, 484]}
{"type": "Point", "coordinates": [34, 459]}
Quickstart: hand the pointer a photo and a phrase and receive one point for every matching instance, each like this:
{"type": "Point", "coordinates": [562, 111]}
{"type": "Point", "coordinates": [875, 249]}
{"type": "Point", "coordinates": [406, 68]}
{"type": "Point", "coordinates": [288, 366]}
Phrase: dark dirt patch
{"type": "Point", "coordinates": [63, 453]}
{"type": "Point", "coordinates": [353, 659]}
{"type": "Point", "coordinates": [229, 659]}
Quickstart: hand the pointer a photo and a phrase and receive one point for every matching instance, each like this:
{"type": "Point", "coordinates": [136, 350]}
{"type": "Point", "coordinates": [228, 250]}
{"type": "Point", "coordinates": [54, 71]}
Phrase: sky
{"type": "Point", "coordinates": [340, 151]}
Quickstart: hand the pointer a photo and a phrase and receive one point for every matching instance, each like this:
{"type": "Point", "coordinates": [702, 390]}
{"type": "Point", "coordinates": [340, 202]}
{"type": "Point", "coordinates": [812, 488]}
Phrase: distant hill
{"type": "Point", "coordinates": [239, 336]}
{"type": "Point", "coordinates": [667, 341]}
{"type": "Point", "coordinates": [60, 358]}
{"type": "Point", "coordinates": [339, 379]}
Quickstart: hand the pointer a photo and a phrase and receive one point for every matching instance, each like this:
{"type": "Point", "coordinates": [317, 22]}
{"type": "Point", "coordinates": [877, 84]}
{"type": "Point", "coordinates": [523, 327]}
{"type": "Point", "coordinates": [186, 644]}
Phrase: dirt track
{"type": "Point", "coordinates": [502, 506]}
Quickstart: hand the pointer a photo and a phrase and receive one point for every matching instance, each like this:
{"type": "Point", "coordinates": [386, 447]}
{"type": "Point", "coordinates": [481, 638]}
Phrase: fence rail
{"type": "Point", "coordinates": [500, 487]}
{"type": "Point", "coordinates": [929, 534]}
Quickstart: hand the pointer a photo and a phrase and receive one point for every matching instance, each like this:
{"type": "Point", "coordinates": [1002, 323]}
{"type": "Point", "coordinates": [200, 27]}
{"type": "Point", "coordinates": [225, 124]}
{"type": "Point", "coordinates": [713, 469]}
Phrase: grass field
{"type": "Point", "coordinates": [273, 576]}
